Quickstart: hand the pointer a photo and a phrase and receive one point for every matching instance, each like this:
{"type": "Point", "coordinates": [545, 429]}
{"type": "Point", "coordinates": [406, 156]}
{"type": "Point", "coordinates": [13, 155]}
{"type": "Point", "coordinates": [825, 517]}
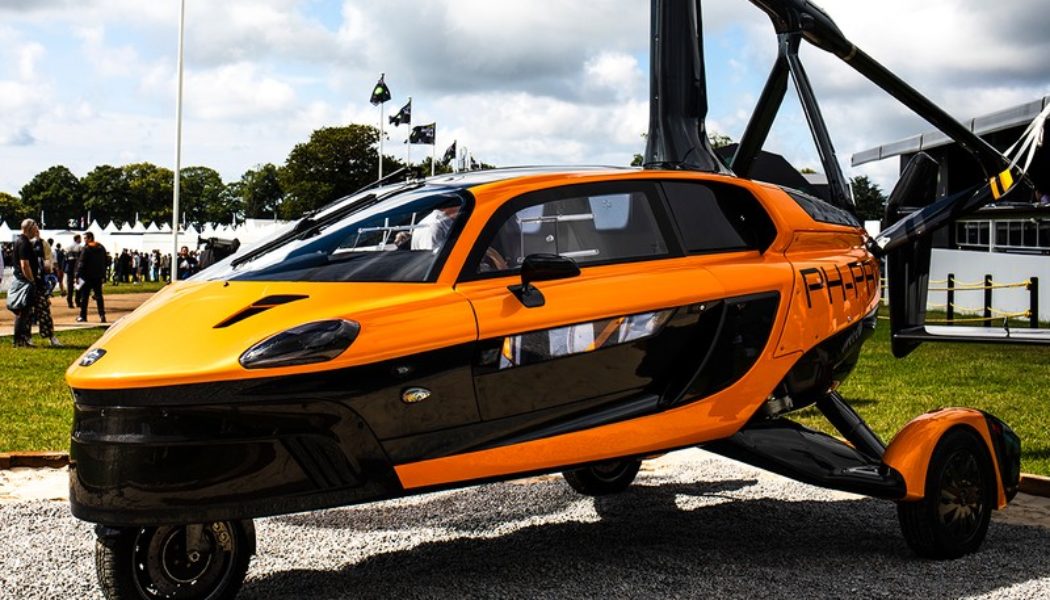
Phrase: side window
{"type": "Point", "coordinates": [597, 228]}
{"type": "Point", "coordinates": [718, 217]}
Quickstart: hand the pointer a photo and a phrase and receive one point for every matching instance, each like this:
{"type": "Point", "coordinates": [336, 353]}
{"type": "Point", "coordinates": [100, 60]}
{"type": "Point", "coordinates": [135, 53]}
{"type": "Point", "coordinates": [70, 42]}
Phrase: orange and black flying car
{"type": "Point", "coordinates": [480, 326]}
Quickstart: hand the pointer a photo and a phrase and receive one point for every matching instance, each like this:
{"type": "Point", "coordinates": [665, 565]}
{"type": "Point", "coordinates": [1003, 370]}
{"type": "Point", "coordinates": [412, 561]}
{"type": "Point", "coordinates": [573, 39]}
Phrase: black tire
{"type": "Point", "coordinates": [961, 491]}
{"type": "Point", "coordinates": [151, 562]}
{"type": "Point", "coordinates": [603, 478]}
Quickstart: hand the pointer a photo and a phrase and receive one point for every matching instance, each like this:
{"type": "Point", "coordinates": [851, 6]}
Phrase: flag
{"type": "Point", "coordinates": [380, 93]}
{"type": "Point", "coordinates": [423, 134]}
{"type": "Point", "coordinates": [403, 116]}
{"type": "Point", "coordinates": [450, 154]}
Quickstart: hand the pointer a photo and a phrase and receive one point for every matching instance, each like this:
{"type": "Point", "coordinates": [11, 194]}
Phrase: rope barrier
{"type": "Point", "coordinates": [1005, 316]}
{"type": "Point", "coordinates": [979, 287]}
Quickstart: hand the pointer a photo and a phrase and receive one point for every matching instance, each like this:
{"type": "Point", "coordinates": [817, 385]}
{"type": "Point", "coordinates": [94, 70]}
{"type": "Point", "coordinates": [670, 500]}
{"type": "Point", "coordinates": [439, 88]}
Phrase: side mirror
{"type": "Point", "coordinates": [541, 267]}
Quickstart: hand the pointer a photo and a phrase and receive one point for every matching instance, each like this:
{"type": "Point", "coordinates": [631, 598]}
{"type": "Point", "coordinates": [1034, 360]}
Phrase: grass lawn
{"type": "Point", "coordinates": [36, 410]}
{"type": "Point", "coordinates": [1009, 381]}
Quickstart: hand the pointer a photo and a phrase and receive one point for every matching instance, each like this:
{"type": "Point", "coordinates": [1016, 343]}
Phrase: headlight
{"type": "Point", "coordinates": [305, 344]}
{"type": "Point", "coordinates": [91, 357]}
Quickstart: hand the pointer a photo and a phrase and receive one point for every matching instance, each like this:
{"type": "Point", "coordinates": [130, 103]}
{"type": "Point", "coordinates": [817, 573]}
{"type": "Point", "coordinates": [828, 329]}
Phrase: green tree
{"type": "Point", "coordinates": [719, 140]}
{"type": "Point", "coordinates": [440, 169]}
{"type": "Point", "coordinates": [13, 210]}
{"type": "Point", "coordinates": [638, 160]}
{"type": "Point", "coordinates": [57, 192]}
{"type": "Point", "coordinates": [203, 197]}
{"type": "Point", "coordinates": [334, 162]}
{"type": "Point", "coordinates": [871, 202]}
{"type": "Point", "coordinates": [260, 191]}
{"type": "Point", "coordinates": [107, 195]}
{"type": "Point", "coordinates": [151, 191]}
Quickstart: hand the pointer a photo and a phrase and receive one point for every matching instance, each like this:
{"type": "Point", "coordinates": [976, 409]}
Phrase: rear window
{"type": "Point", "coordinates": [821, 211]}
{"type": "Point", "coordinates": [718, 218]}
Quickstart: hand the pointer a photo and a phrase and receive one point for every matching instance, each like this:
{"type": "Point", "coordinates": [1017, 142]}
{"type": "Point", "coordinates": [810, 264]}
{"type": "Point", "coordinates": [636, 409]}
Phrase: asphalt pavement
{"type": "Point", "coordinates": [692, 526]}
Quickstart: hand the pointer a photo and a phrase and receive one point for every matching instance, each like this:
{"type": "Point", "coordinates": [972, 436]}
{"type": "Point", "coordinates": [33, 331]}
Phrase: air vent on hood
{"type": "Point", "coordinates": [259, 306]}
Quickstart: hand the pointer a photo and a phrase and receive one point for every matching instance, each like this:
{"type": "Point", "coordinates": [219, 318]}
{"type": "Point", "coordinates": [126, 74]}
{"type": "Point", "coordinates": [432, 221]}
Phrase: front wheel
{"type": "Point", "coordinates": [952, 519]}
{"type": "Point", "coordinates": [184, 562]}
{"type": "Point", "coordinates": [603, 478]}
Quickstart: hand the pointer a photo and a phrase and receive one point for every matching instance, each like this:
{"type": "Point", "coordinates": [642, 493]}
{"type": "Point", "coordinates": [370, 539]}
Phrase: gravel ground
{"type": "Point", "coordinates": [693, 526]}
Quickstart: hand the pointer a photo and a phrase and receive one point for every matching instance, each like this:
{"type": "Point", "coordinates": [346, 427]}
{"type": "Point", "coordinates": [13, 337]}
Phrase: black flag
{"type": "Point", "coordinates": [423, 134]}
{"type": "Point", "coordinates": [403, 116]}
{"type": "Point", "coordinates": [450, 154]}
{"type": "Point", "coordinates": [380, 93]}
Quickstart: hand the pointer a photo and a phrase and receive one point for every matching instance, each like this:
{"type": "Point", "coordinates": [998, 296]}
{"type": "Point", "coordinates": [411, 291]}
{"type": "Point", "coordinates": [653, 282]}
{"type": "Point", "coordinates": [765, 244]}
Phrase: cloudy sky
{"type": "Point", "coordinates": [89, 82]}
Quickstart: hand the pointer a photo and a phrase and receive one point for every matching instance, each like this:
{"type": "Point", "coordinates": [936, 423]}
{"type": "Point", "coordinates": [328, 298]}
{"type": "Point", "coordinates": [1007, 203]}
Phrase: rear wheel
{"type": "Point", "coordinates": [952, 519]}
{"type": "Point", "coordinates": [206, 562]}
{"type": "Point", "coordinates": [603, 478]}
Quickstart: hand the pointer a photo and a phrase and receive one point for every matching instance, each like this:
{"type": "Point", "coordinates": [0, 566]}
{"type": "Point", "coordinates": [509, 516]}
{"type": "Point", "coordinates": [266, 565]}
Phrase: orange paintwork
{"type": "Point", "coordinates": [909, 452]}
{"type": "Point", "coordinates": [848, 277]}
{"type": "Point", "coordinates": [172, 339]}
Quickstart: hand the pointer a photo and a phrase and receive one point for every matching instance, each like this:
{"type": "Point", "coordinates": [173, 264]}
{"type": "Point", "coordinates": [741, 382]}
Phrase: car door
{"type": "Point", "coordinates": [613, 333]}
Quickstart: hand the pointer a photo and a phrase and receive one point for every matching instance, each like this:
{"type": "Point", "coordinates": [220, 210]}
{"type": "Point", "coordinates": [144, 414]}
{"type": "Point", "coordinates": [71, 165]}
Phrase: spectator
{"type": "Point", "coordinates": [70, 268]}
{"type": "Point", "coordinates": [42, 307]}
{"type": "Point", "coordinates": [187, 263]}
{"type": "Point", "coordinates": [60, 266]}
{"type": "Point", "coordinates": [27, 281]}
{"type": "Point", "coordinates": [92, 269]}
{"type": "Point", "coordinates": [165, 267]}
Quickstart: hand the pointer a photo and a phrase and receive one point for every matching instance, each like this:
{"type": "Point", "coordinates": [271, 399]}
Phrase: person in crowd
{"type": "Point", "coordinates": [27, 282]}
{"type": "Point", "coordinates": [92, 269]}
{"type": "Point", "coordinates": [70, 268]}
{"type": "Point", "coordinates": [42, 306]}
{"type": "Point", "coordinates": [136, 265]}
{"type": "Point", "coordinates": [187, 263]}
{"type": "Point", "coordinates": [7, 250]}
{"type": "Point", "coordinates": [60, 266]}
{"type": "Point", "coordinates": [165, 267]}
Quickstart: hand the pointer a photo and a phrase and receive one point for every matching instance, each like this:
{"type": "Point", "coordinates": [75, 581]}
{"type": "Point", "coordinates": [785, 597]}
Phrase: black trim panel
{"type": "Point", "coordinates": [151, 466]}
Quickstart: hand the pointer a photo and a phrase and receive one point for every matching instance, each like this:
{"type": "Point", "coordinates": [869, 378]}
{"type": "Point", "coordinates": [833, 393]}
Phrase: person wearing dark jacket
{"type": "Point", "coordinates": [91, 268]}
{"type": "Point", "coordinates": [28, 279]}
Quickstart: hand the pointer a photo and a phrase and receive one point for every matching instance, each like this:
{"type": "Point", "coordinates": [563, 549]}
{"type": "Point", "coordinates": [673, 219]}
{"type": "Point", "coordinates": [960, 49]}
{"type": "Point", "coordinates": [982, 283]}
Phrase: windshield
{"type": "Point", "coordinates": [400, 239]}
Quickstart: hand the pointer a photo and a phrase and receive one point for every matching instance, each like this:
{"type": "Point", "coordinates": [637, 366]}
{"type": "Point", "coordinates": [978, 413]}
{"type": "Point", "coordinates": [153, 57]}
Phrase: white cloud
{"type": "Point", "coordinates": [236, 92]}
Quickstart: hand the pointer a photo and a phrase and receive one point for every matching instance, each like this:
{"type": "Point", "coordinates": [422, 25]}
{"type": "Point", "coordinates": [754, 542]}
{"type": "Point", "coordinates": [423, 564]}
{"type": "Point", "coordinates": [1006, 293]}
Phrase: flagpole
{"type": "Point", "coordinates": [408, 145]}
{"type": "Point", "coordinates": [381, 136]}
{"type": "Point", "coordinates": [433, 152]}
{"type": "Point", "coordinates": [178, 154]}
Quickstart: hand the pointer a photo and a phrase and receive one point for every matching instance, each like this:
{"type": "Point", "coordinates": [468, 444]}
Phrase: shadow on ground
{"type": "Point", "coordinates": [669, 540]}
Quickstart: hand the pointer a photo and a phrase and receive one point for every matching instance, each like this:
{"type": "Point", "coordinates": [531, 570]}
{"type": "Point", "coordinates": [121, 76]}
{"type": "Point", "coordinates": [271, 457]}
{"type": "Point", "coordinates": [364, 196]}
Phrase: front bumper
{"type": "Point", "coordinates": [171, 464]}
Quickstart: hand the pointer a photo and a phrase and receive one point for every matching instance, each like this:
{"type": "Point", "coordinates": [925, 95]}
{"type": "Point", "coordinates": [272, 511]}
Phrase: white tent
{"type": "Point", "coordinates": [152, 227]}
{"type": "Point", "coordinates": [110, 228]}
{"type": "Point", "coordinates": [138, 227]}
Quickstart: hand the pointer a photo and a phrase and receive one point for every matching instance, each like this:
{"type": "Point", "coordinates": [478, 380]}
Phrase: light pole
{"type": "Point", "coordinates": [178, 155]}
